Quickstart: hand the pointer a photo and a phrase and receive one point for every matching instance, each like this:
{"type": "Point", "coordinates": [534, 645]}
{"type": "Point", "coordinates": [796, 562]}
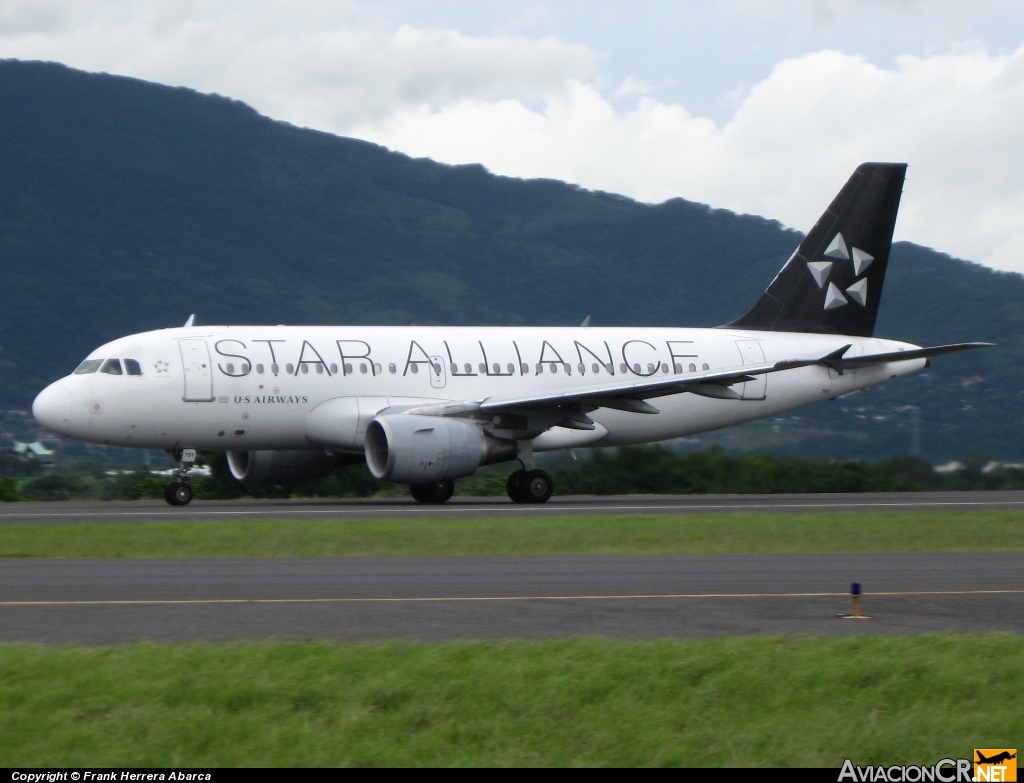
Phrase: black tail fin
{"type": "Point", "coordinates": [833, 282]}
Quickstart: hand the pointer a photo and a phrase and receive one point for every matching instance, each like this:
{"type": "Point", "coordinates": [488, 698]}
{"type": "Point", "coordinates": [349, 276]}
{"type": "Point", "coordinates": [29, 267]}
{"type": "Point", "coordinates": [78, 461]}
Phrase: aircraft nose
{"type": "Point", "coordinates": [52, 408]}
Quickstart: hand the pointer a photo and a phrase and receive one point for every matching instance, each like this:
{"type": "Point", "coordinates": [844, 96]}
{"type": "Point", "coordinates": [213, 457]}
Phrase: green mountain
{"type": "Point", "coordinates": [126, 206]}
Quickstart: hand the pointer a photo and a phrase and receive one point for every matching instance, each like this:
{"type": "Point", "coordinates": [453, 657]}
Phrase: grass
{"type": "Point", "coordinates": [583, 702]}
{"type": "Point", "coordinates": [638, 534]}
{"type": "Point", "coordinates": [726, 702]}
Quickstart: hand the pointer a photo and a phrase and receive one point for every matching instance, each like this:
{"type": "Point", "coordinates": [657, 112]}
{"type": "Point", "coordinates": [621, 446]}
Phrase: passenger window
{"type": "Point", "coordinates": [132, 367]}
{"type": "Point", "coordinates": [377, 369]}
{"type": "Point", "coordinates": [230, 367]}
{"type": "Point", "coordinates": [245, 368]}
{"type": "Point", "coordinates": [595, 368]}
{"type": "Point", "coordinates": [275, 369]}
{"type": "Point", "coordinates": [693, 367]}
{"type": "Point", "coordinates": [664, 367]}
{"type": "Point", "coordinates": [305, 369]}
{"type": "Point", "coordinates": [362, 368]}
{"type": "Point", "coordinates": [581, 368]}
{"type": "Point", "coordinates": [469, 368]}
{"type": "Point", "coordinates": [511, 368]}
{"type": "Point", "coordinates": [111, 367]}
{"type": "Point", "coordinates": [88, 366]}
{"type": "Point", "coordinates": [568, 369]}
{"type": "Point", "coordinates": [540, 369]}
{"type": "Point", "coordinates": [289, 368]}
{"type": "Point", "coordinates": [483, 368]}
{"type": "Point", "coordinates": [455, 368]}
{"type": "Point", "coordinates": [705, 366]}
{"type": "Point", "coordinates": [650, 368]}
{"type": "Point", "coordinates": [348, 368]}
{"type": "Point", "coordinates": [392, 368]}
{"type": "Point", "coordinates": [415, 368]}
{"type": "Point", "coordinates": [622, 367]}
{"type": "Point", "coordinates": [497, 368]}
{"type": "Point", "coordinates": [259, 369]}
{"type": "Point", "coordinates": [334, 369]}
{"type": "Point", "coordinates": [524, 368]}
{"type": "Point", "coordinates": [319, 369]}
{"type": "Point", "coordinates": [554, 369]}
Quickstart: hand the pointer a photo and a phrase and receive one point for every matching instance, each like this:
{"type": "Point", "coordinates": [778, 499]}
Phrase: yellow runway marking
{"type": "Point", "coordinates": [466, 599]}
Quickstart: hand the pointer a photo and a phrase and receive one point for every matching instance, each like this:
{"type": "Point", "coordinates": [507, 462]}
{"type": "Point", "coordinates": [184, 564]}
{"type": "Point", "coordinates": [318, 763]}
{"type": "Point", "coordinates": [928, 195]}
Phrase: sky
{"type": "Point", "coordinates": [757, 106]}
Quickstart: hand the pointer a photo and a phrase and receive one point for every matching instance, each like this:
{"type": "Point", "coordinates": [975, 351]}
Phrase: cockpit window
{"type": "Point", "coordinates": [132, 367]}
{"type": "Point", "coordinates": [88, 366]}
{"type": "Point", "coordinates": [112, 367]}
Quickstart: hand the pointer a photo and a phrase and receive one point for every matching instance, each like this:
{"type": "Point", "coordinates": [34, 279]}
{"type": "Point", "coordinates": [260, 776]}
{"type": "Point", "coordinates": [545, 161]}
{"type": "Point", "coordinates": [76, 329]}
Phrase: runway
{"type": "Point", "coordinates": [94, 512]}
{"type": "Point", "coordinates": [435, 598]}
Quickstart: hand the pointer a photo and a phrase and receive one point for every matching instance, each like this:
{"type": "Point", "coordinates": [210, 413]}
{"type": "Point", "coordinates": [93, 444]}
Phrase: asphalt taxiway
{"type": "Point", "coordinates": [105, 601]}
{"type": "Point", "coordinates": [218, 510]}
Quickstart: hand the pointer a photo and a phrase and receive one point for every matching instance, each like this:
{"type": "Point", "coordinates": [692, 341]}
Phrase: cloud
{"type": "Point", "coordinates": [315, 64]}
{"type": "Point", "coordinates": [21, 17]}
{"type": "Point", "coordinates": [793, 140]}
{"type": "Point", "coordinates": [539, 107]}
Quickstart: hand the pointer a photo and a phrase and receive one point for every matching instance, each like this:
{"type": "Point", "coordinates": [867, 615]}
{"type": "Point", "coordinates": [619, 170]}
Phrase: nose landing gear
{"type": "Point", "coordinates": [179, 493]}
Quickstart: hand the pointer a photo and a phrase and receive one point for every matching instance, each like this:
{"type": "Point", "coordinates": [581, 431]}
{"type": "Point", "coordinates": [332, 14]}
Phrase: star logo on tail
{"type": "Point", "coordinates": [838, 251]}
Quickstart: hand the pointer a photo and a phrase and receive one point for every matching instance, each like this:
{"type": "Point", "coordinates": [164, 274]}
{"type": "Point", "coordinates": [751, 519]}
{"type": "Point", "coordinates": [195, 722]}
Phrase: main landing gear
{"type": "Point", "coordinates": [523, 486]}
{"type": "Point", "coordinates": [434, 492]}
{"type": "Point", "coordinates": [179, 493]}
{"type": "Point", "coordinates": [530, 486]}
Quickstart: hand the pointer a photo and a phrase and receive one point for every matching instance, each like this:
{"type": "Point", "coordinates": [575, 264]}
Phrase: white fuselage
{"type": "Point", "coordinates": [255, 387]}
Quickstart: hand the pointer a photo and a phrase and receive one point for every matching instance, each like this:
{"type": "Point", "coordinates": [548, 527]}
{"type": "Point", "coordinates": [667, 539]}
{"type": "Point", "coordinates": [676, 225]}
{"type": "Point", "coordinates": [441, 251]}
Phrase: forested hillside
{"type": "Point", "coordinates": [126, 206]}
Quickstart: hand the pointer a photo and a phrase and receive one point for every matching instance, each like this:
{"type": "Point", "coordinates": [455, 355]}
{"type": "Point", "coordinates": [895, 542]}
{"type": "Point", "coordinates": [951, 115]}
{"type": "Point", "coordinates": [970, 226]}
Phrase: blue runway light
{"type": "Point", "coordinates": [855, 596]}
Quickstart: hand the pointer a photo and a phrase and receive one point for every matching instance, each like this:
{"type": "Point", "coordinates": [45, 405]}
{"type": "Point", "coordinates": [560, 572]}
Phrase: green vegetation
{"type": "Point", "coordinates": [726, 702]}
{"type": "Point", "coordinates": [659, 470]}
{"type": "Point", "coordinates": [653, 469]}
{"type": "Point", "coordinates": [8, 490]}
{"type": "Point", "coordinates": [125, 206]}
{"type": "Point", "coordinates": [525, 534]}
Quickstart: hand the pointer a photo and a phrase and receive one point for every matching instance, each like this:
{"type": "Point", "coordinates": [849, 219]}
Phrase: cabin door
{"type": "Point", "coordinates": [195, 361]}
{"type": "Point", "coordinates": [751, 352]}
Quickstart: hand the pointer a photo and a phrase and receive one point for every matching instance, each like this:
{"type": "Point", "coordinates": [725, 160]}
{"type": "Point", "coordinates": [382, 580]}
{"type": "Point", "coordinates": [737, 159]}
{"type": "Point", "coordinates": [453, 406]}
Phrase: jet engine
{"type": "Point", "coordinates": [280, 467]}
{"type": "Point", "coordinates": [412, 449]}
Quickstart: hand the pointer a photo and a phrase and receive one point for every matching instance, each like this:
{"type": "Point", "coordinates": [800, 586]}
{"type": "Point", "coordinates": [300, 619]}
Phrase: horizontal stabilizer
{"type": "Point", "coordinates": [837, 362]}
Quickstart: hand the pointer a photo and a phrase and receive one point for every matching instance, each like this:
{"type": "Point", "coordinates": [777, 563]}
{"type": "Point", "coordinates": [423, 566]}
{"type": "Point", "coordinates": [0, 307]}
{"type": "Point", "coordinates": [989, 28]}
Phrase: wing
{"type": "Point", "coordinates": [633, 395]}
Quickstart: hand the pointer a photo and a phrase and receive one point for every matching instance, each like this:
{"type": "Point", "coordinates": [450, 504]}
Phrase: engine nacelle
{"type": "Point", "coordinates": [411, 449]}
{"type": "Point", "coordinates": [280, 467]}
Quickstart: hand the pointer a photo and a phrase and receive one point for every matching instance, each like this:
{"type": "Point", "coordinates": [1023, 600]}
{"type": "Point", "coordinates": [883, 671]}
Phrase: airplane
{"type": "Point", "coordinates": [425, 405]}
{"type": "Point", "coordinates": [996, 759]}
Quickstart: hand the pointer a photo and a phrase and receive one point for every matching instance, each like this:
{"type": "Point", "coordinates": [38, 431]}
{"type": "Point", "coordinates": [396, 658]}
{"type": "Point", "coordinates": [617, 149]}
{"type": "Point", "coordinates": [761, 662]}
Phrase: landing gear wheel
{"type": "Point", "coordinates": [536, 486]}
{"type": "Point", "coordinates": [434, 492]}
{"type": "Point", "coordinates": [178, 494]}
{"type": "Point", "coordinates": [530, 486]}
{"type": "Point", "coordinates": [514, 488]}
